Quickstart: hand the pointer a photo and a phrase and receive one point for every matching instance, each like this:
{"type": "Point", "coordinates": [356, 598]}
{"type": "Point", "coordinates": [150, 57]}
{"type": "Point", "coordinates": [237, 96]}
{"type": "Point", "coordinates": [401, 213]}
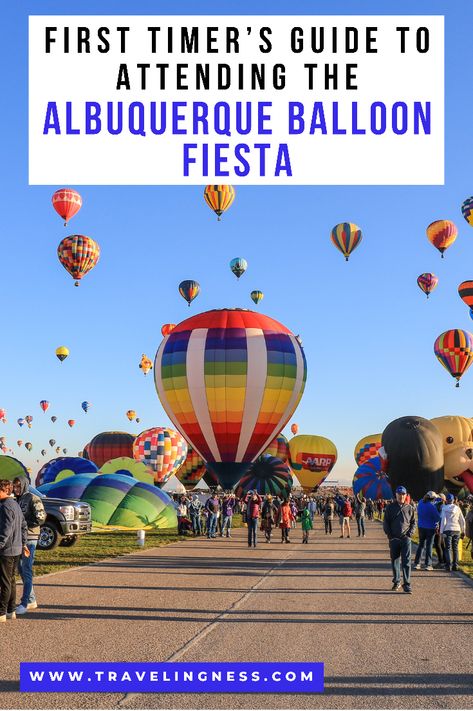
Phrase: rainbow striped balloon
{"type": "Point", "coordinates": [219, 197]}
{"type": "Point", "coordinates": [278, 448]}
{"type": "Point", "coordinates": [192, 470]}
{"type": "Point", "coordinates": [163, 450]}
{"type": "Point", "coordinates": [454, 350]}
{"type": "Point", "coordinates": [346, 237]}
{"type": "Point", "coordinates": [230, 380]}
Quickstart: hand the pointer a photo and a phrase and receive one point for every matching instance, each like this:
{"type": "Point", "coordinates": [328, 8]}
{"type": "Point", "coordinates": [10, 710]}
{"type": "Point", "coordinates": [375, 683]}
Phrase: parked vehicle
{"type": "Point", "coordinates": [66, 520]}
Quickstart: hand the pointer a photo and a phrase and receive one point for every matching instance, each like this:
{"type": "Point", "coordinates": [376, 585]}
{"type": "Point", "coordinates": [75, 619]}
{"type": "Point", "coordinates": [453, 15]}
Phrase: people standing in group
{"type": "Point", "coordinates": [347, 513]}
{"type": "Point", "coordinates": [181, 515]}
{"type": "Point", "coordinates": [35, 515]}
{"type": "Point", "coordinates": [428, 521]}
{"type": "Point", "coordinates": [13, 544]}
{"type": "Point", "coordinates": [306, 523]}
{"type": "Point", "coordinates": [312, 508]}
{"type": "Point", "coordinates": [269, 512]}
{"type": "Point", "coordinates": [195, 511]}
{"type": "Point", "coordinates": [452, 527]}
{"type": "Point", "coordinates": [253, 501]}
{"type": "Point", "coordinates": [399, 526]}
{"type": "Point", "coordinates": [212, 506]}
{"type": "Point", "coordinates": [228, 509]}
{"type": "Point", "coordinates": [328, 516]}
{"type": "Point", "coordinates": [360, 511]}
{"type": "Point", "coordinates": [285, 519]}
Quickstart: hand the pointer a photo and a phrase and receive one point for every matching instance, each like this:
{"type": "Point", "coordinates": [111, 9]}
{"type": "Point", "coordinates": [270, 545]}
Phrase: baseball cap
{"type": "Point", "coordinates": [431, 495]}
{"type": "Point", "coordinates": [450, 498]}
{"type": "Point", "coordinates": [401, 490]}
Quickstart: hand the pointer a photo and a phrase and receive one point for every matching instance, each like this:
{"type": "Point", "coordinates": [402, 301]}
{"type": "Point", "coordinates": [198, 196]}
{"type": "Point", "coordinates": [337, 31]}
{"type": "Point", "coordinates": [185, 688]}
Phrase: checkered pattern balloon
{"type": "Point", "coordinates": [367, 448]}
{"type": "Point", "coordinates": [162, 449]}
{"type": "Point", "coordinates": [78, 254]}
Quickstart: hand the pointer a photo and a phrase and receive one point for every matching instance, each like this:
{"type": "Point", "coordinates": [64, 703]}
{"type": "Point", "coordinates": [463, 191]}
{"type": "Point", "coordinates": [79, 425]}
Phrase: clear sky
{"type": "Point", "coordinates": [367, 329]}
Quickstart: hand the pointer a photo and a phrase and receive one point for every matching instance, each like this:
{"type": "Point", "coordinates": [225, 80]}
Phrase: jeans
{"type": "Point", "coordinates": [25, 568]}
{"type": "Point", "coordinates": [196, 523]}
{"type": "Point", "coordinates": [426, 539]}
{"type": "Point", "coordinates": [451, 539]}
{"type": "Point", "coordinates": [211, 525]}
{"type": "Point", "coordinates": [400, 549]}
{"type": "Point", "coordinates": [328, 525]}
{"type": "Point", "coordinates": [252, 528]}
{"type": "Point", "coordinates": [360, 522]}
{"type": "Point", "coordinates": [227, 524]}
{"type": "Point", "coordinates": [8, 566]}
{"type": "Point", "coordinates": [439, 544]}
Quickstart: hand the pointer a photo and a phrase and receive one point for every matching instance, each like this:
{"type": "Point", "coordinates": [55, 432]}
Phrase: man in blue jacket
{"type": "Point", "coordinates": [428, 521]}
{"type": "Point", "coordinates": [13, 542]}
{"type": "Point", "coordinates": [399, 525]}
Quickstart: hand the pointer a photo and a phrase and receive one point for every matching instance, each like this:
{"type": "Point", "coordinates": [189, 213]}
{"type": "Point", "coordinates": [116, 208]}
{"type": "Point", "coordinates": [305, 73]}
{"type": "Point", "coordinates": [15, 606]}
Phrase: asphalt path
{"type": "Point", "coordinates": [218, 600]}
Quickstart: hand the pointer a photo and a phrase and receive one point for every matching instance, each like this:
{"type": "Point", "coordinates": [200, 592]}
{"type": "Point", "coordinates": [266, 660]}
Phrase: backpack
{"type": "Point", "coordinates": [347, 509]}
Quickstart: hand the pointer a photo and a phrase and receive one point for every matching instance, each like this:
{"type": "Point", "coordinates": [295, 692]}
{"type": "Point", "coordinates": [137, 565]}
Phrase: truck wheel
{"type": "Point", "coordinates": [69, 541]}
{"type": "Point", "coordinates": [49, 537]}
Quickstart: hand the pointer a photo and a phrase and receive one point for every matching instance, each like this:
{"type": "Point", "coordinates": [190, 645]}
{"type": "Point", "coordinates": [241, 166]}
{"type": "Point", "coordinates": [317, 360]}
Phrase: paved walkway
{"type": "Point", "coordinates": [206, 600]}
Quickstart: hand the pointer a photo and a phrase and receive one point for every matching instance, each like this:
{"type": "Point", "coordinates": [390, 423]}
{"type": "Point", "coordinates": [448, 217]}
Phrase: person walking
{"type": "Point", "coordinates": [285, 519]}
{"type": "Point", "coordinates": [452, 527]}
{"type": "Point", "coordinates": [428, 521]}
{"type": "Point", "coordinates": [347, 513]}
{"type": "Point", "coordinates": [399, 526]}
{"type": "Point", "coordinates": [212, 506]}
{"type": "Point", "coordinates": [329, 508]}
{"type": "Point", "coordinates": [228, 509]}
{"type": "Point", "coordinates": [306, 523]}
{"type": "Point", "coordinates": [195, 510]}
{"type": "Point", "coordinates": [312, 508]}
{"type": "Point", "coordinates": [269, 512]}
{"type": "Point", "coordinates": [360, 511]}
{"type": "Point", "coordinates": [13, 544]}
{"type": "Point", "coordinates": [35, 515]}
{"type": "Point", "coordinates": [253, 511]}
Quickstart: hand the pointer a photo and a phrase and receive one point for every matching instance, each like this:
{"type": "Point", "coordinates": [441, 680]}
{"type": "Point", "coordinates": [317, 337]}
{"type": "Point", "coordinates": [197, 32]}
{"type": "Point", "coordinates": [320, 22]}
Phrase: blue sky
{"type": "Point", "coordinates": [368, 331]}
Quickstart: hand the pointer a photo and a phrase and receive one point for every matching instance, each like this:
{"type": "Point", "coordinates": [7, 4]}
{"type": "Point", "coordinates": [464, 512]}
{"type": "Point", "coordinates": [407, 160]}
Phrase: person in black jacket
{"type": "Point", "coordinates": [35, 516]}
{"type": "Point", "coordinates": [13, 539]}
{"type": "Point", "coordinates": [399, 526]}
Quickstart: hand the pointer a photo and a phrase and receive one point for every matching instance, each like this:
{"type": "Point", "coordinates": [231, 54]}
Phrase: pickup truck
{"type": "Point", "coordinates": [66, 520]}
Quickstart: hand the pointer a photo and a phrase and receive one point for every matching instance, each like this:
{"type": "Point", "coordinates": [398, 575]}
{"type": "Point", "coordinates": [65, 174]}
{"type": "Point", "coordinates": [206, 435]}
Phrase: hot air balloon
{"type": "Point", "coordinates": [28, 420]}
{"type": "Point", "coordinates": [43, 452]}
{"type": "Point", "coordinates": [85, 406]}
{"type": "Point", "coordinates": [189, 289]}
{"type": "Point", "coordinates": [467, 210]}
{"type": "Point", "coordinates": [145, 364]}
{"type": "Point", "coordinates": [44, 405]}
{"type": "Point", "coordinates": [465, 291]}
{"type": "Point", "coordinates": [21, 421]}
{"type": "Point", "coordinates": [128, 467]}
{"type": "Point", "coordinates": [238, 266]}
{"type": "Point", "coordinates": [53, 418]}
{"type": "Point", "coordinates": [268, 475]}
{"type": "Point", "coordinates": [58, 449]}
{"type": "Point", "coordinates": [10, 468]}
{"type": "Point", "coordinates": [427, 282]}
{"type": "Point", "coordinates": [67, 203]}
{"type": "Point", "coordinates": [219, 198]}
{"type": "Point", "coordinates": [454, 350]}
{"type": "Point", "coordinates": [19, 442]}
{"type": "Point", "coordinates": [442, 234]}
{"type": "Point", "coordinates": [71, 423]}
{"type": "Point", "coordinates": [256, 296]}
{"type": "Point", "coordinates": [109, 445]}
{"type": "Point", "coordinates": [230, 380]}
{"type": "Point", "coordinates": [312, 459]}
{"type": "Point", "coordinates": [62, 468]}
{"type": "Point", "coordinates": [162, 449]}
{"type": "Point", "coordinates": [346, 237]}
{"type": "Point", "coordinates": [294, 428]}
{"type": "Point", "coordinates": [64, 451]}
{"type": "Point", "coordinates": [367, 448]}
{"type": "Point", "coordinates": [118, 501]}
{"type": "Point", "coordinates": [131, 414]}
{"type": "Point", "coordinates": [3, 413]}
{"type": "Point", "coordinates": [78, 254]}
{"type": "Point", "coordinates": [371, 482]}
{"type": "Point", "coordinates": [166, 328]}
{"type": "Point", "coordinates": [192, 469]}
{"type": "Point", "coordinates": [52, 442]}
{"type": "Point", "coordinates": [137, 419]}
{"type": "Point", "coordinates": [28, 446]}
{"type": "Point", "coordinates": [278, 448]}
{"type": "Point", "coordinates": [62, 352]}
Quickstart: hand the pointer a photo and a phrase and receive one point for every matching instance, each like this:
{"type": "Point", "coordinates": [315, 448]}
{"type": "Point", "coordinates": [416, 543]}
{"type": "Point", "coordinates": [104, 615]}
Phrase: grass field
{"type": "Point", "coordinates": [96, 546]}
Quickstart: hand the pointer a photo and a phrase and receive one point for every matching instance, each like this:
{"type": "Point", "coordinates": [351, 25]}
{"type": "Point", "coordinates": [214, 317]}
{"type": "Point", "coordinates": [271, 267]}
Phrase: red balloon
{"type": "Point", "coordinates": [67, 203]}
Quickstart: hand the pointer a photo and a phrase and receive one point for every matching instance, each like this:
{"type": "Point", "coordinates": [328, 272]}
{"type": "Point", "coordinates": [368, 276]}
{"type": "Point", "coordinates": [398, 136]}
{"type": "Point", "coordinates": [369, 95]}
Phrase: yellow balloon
{"type": "Point", "coordinates": [312, 459]}
{"type": "Point", "coordinates": [457, 438]}
{"type": "Point", "coordinates": [367, 448]}
{"type": "Point", "coordinates": [62, 352]}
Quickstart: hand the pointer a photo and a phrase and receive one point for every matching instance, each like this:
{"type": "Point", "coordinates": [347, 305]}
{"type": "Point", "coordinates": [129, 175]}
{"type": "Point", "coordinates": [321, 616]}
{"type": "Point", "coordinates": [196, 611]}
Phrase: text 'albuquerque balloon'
{"type": "Point", "coordinates": [230, 380]}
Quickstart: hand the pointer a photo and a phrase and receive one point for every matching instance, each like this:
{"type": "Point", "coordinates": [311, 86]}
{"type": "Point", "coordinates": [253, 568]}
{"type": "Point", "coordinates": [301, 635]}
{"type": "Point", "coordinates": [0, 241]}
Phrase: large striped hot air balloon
{"type": "Point", "coordinates": [427, 282]}
{"type": "Point", "coordinates": [312, 459]}
{"type": "Point", "coordinates": [278, 448]}
{"type": "Point", "coordinates": [465, 291]}
{"type": "Point", "coordinates": [346, 237]}
{"type": "Point", "coordinates": [67, 203]}
{"type": "Point", "coordinates": [454, 350]}
{"type": "Point", "coordinates": [219, 198]}
{"type": "Point", "coordinates": [163, 450]}
{"type": "Point", "coordinates": [78, 254]}
{"type": "Point", "coordinates": [442, 234]}
{"type": "Point", "coordinates": [230, 380]}
{"type": "Point", "coordinates": [109, 445]}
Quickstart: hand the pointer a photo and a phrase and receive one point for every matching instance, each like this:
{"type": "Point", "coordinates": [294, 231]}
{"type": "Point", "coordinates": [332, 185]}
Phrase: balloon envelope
{"type": "Point", "coordinates": [10, 468]}
{"type": "Point", "coordinates": [268, 475]}
{"type": "Point", "coordinates": [230, 380]}
{"type": "Point", "coordinates": [63, 467]}
{"type": "Point", "coordinates": [109, 445]}
{"type": "Point", "coordinates": [278, 448]}
{"type": "Point", "coordinates": [128, 467]}
{"type": "Point", "coordinates": [370, 481]}
{"type": "Point", "coordinates": [346, 237]}
{"type": "Point", "coordinates": [219, 197]}
{"type": "Point", "coordinates": [367, 448]}
{"type": "Point", "coordinates": [427, 282]}
{"type": "Point", "coordinates": [312, 459]}
{"type": "Point", "coordinates": [162, 449]}
{"type": "Point", "coordinates": [442, 234]}
{"type": "Point", "coordinates": [67, 203]}
{"type": "Point", "coordinates": [454, 350]}
{"type": "Point", "coordinates": [78, 254]}
{"type": "Point", "coordinates": [189, 289]}
{"type": "Point", "coordinates": [192, 469]}
{"type": "Point", "coordinates": [238, 266]}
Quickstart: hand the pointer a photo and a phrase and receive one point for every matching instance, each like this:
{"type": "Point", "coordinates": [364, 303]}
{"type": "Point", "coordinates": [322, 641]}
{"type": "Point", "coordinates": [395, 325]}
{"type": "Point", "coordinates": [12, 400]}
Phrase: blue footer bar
{"type": "Point", "coordinates": [174, 677]}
